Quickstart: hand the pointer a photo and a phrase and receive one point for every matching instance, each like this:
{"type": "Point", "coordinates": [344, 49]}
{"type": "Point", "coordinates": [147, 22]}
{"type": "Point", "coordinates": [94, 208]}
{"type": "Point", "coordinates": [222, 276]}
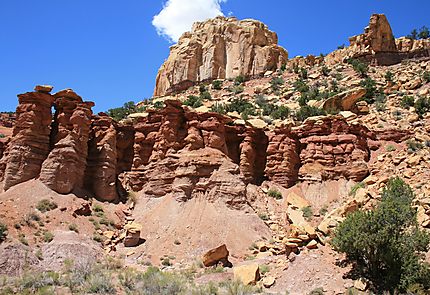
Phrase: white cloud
{"type": "Point", "coordinates": [178, 16]}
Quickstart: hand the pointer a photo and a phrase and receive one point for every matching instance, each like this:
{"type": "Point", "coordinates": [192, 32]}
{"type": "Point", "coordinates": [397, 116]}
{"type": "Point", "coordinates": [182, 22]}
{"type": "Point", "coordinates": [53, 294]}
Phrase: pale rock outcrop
{"type": "Point", "coordinates": [64, 168]}
{"type": "Point", "coordinates": [378, 46]}
{"type": "Point", "coordinates": [220, 48]}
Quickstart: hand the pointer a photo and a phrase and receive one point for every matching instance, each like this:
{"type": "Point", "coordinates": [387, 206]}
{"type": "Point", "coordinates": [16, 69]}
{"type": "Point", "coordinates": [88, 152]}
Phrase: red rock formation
{"type": "Point", "coordinates": [100, 174]}
{"type": "Point", "coordinates": [178, 151]}
{"type": "Point", "coordinates": [187, 153]}
{"type": "Point", "coordinates": [29, 145]}
{"type": "Point", "coordinates": [64, 168]}
{"type": "Point", "coordinates": [331, 148]}
{"type": "Point", "coordinates": [283, 160]}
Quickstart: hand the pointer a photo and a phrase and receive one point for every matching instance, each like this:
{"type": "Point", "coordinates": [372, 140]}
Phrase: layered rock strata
{"type": "Point", "coordinates": [64, 168]}
{"type": "Point", "coordinates": [177, 151]}
{"type": "Point", "coordinates": [29, 145]}
{"type": "Point", "coordinates": [220, 48]}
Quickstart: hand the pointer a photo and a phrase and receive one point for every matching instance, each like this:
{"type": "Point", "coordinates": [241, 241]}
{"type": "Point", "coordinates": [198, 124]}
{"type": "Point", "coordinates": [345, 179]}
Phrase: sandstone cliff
{"type": "Point", "coordinates": [173, 150]}
{"type": "Point", "coordinates": [378, 46]}
{"type": "Point", "coordinates": [220, 48]}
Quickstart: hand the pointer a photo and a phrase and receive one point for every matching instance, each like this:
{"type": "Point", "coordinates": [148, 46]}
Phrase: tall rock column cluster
{"type": "Point", "coordinates": [64, 168]}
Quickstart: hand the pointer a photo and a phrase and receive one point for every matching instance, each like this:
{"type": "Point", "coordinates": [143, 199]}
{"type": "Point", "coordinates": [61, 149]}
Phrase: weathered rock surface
{"type": "Point", "coordinates": [64, 168]}
{"type": "Point", "coordinates": [213, 256]}
{"type": "Point", "coordinates": [220, 48]}
{"type": "Point", "coordinates": [101, 174]}
{"type": "Point", "coordinates": [378, 46]}
{"type": "Point", "coordinates": [176, 150]}
{"type": "Point", "coordinates": [247, 274]}
{"type": "Point", "coordinates": [29, 145]}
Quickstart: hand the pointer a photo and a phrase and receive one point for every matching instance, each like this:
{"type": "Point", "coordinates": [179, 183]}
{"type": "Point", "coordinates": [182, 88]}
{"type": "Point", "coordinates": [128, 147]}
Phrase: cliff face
{"type": "Point", "coordinates": [173, 150]}
{"type": "Point", "coordinates": [220, 48]}
{"type": "Point", "coordinates": [378, 46]}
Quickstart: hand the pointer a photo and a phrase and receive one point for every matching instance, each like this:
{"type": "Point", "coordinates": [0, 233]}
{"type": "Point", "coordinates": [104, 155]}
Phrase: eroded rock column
{"type": "Point", "coordinates": [29, 146]}
{"type": "Point", "coordinates": [64, 168]}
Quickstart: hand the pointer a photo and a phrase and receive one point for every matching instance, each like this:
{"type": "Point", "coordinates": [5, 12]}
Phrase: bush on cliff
{"type": "Point", "coordinates": [122, 112]}
{"type": "Point", "coordinates": [309, 111]}
{"type": "Point", "coordinates": [385, 245]}
{"type": "Point", "coordinates": [3, 231]}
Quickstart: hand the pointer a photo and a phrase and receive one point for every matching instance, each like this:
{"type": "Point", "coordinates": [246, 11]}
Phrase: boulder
{"type": "Point", "coordinates": [345, 101]}
{"type": "Point", "coordinates": [248, 274]}
{"type": "Point", "coordinates": [216, 255]}
{"type": "Point", "coordinates": [43, 88]}
{"type": "Point", "coordinates": [132, 237]}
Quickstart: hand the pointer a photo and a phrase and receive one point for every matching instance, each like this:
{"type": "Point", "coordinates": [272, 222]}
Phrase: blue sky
{"type": "Point", "coordinates": [109, 51]}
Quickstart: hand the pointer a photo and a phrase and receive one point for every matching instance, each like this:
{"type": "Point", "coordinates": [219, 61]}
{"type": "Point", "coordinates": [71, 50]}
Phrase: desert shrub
{"type": "Point", "coordinates": [397, 114]}
{"type": "Point", "coordinates": [422, 106]}
{"type": "Point", "coordinates": [98, 237]}
{"type": "Point", "coordinates": [386, 245]}
{"type": "Point", "coordinates": [274, 193]}
{"type": "Point", "coordinates": [276, 83]}
{"type": "Point", "coordinates": [307, 212]}
{"type": "Point", "coordinates": [301, 86]}
{"type": "Point", "coordinates": [426, 76]}
{"type": "Point", "coordinates": [241, 105]}
{"type": "Point", "coordinates": [424, 33]}
{"type": "Point", "coordinates": [325, 70]}
{"type": "Point", "coordinates": [38, 283]}
{"type": "Point", "coordinates": [280, 112]}
{"type": "Point", "coordinates": [100, 283]}
{"type": "Point", "coordinates": [205, 95]}
{"type": "Point", "coordinates": [413, 35]}
{"type": "Point", "coordinates": [3, 231]}
{"type": "Point", "coordinates": [323, 211]}
{"type": "Point", "coordinates": [342, 46]}
{"type": "Point", "coordinates": [236, 89]}
{"type": "Point", "coordinates": [73, 227]}
{"type": "Point", "coordinates": [309, 111]}
{"type": "Point", "coordinates": [303, 73]}
{"type": "Point", "coordinates": [2, 135]}
{"type": "Point", "coordinates": [22, 239]}
{"type": "Point", "coordinates": [153, 281]}
{"type": "Point", "coordinates": [48, 236]}
{"type": "Point", "coordinates": [218, 108]}
{"type": "Point", "coordinates": [390, 148]}
{"type": "Point", "coordinates": [263, 216]}
{"type": "Point", "coordinates": [158, 105]}
{"type": "Point", "coordinates": [413, 145]}
{"type": "Point", "coordinates": [317, 291]}
{"type": "Point", "coordinates": [407, 102]}
{"type": "Point", "coordinates": [237, 288]}
{"type": "Point", "coordinates": [239, 79]}
{"type": "Point", "coordinates": [283, 67]}
{"type": "Point", "coordinates": [264, 268]}
{"type": "Point", "coordinates": [359, 67]}
{"type": "Point", "coordinates": [122, 112]}
{"type": "Point", "coordinates": [46, 205]}
{"type": "Point", "coordinates": [371, 91]}
{"type": "Point", "coordinates": [274, 111]}
{"type": "Point", "coordinates": [193, 101]}
{"type": "Point", "coordinates": [217, 84]}
{"type": "Point", "coordinates": [389, 76]}
{"type": "Point", "coordinates": [355, 188]}
{"type": "Point", "coordinates": [30, 217]}
{"type": "Point", "coordinates": [98, 208]}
